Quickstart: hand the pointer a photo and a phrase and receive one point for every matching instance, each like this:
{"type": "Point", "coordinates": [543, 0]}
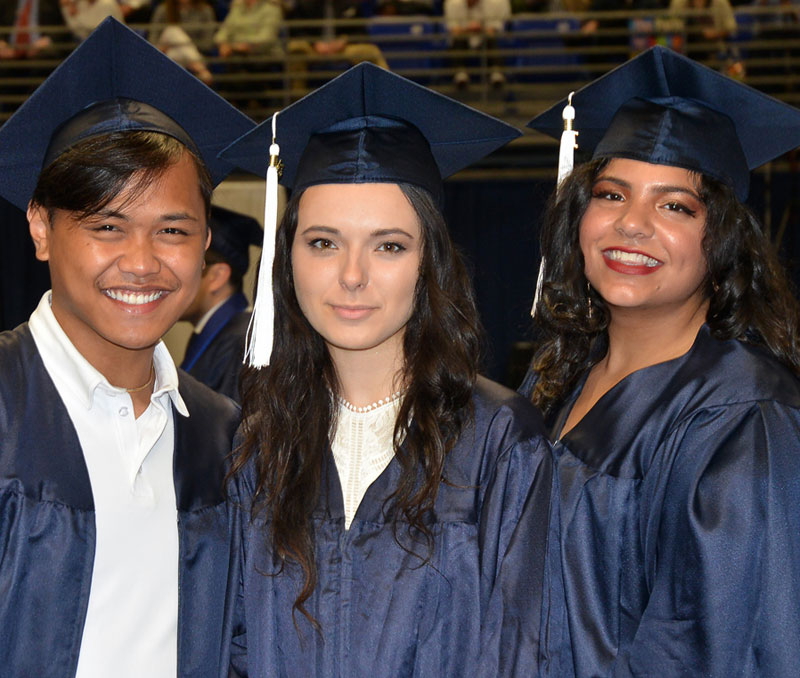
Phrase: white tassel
{"type": "Point", "coordinates": [262, 322]}
{"type": "Point", "coordinates": [566, 152]}
{"type": "Point", "coordinates": [566, 161]}
{"type": "Point", "coordinates": [538, 294]}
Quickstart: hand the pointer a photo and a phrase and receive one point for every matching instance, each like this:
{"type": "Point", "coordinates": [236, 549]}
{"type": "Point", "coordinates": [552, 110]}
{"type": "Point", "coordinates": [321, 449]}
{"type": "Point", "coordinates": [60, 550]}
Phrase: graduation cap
{"type": "Point", "coordinates": [365, 126]}
{"type": "Point", "coordinates": [232, 234]}
{"type": "Point", "coordinates": [115, 80]}
{"type": "Point", "coordinates": [666, 109]}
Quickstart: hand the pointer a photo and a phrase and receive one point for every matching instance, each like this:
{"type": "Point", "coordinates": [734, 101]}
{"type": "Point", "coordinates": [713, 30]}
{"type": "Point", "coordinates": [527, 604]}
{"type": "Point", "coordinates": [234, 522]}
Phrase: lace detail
{"type": "Point", "coordinates": [363, 447]}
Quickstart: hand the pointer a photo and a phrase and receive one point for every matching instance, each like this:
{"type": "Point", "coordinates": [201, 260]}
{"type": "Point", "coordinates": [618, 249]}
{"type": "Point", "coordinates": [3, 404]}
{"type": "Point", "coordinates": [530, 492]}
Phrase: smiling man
{"type": "Point", "coordinates": [113, 541]}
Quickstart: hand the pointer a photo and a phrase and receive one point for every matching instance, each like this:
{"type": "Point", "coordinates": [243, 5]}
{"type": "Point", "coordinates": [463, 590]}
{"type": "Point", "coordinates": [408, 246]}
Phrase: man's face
{"type": "Point", "coordinates": [122, 277]}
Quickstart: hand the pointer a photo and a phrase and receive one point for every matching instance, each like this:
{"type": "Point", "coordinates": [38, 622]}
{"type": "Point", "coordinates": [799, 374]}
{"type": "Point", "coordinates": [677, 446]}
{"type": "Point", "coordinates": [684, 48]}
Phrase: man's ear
{"type": "Point", "coordinates": [218, 274]}
{"type": "Point", "coordinates": [39, 225]}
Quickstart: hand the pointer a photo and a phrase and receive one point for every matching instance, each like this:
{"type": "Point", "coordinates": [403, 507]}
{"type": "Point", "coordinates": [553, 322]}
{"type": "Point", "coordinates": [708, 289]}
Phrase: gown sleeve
{"type": "Point", "coordinates": [513, 543]}
{"type": "Point", "coordinates": [722, 547]}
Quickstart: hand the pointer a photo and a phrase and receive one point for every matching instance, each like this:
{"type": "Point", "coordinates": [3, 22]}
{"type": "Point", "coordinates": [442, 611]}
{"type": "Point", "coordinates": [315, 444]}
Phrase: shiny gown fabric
{"type": "Point", "coordinates": [679, 518]}
{"type": "Point", "coordinates": [47, 522]}
{"type": "Point", "coordinates": [386, 612]}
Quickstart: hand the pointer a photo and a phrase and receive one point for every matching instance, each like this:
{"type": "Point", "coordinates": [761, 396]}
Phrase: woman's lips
{"type": "Point", "coordinates": [352, 312]}
{"type": "Point", "coordinates": [630, 262]}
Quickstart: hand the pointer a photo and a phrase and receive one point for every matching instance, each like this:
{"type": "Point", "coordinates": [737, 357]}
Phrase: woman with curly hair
{"type": "Point", "coordinates": [668, 373]}
{"type": "Point", "coordinates": [380, 485]}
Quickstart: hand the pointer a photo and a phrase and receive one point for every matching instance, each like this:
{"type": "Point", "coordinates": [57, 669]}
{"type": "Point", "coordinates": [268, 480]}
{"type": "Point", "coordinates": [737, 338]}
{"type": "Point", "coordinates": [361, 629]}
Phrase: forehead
{"type": "Point", "coordinates": [174, 187]}
{"type": "Point", "coordinates": [638, 172]}
{"type": "Point", "coordinates": [367, 206]}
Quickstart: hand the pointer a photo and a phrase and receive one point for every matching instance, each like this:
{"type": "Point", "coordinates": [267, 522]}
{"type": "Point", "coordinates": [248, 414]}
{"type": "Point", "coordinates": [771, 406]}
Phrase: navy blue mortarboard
{"type": "Point", "coordinates": [663, 108]}
{"type": "Point", "coordinates": [232, 234]}
{"type": "Point", "coordinates": [366, 126]}
{"type": "Point", "coordinates": [114, 81]}
{"type": "Point", "coordinates": [370, 125]}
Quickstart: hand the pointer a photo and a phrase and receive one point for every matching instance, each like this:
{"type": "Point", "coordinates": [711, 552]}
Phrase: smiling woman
{"type": "Point", "coordinates": [668, 372]}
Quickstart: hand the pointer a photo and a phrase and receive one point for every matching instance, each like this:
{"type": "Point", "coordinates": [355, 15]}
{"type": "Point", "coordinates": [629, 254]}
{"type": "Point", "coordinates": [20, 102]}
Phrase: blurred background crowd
{"type": "Point", "coordinates": [510, 58]}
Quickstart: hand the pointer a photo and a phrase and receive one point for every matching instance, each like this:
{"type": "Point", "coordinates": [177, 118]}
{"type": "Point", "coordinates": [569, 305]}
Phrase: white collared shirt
{"type": "Point", "coordinates": [131, 627]}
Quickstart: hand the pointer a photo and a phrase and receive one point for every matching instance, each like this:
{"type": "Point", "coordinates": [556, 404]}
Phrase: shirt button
{"type": "Point", "coordinates": [123, 411]}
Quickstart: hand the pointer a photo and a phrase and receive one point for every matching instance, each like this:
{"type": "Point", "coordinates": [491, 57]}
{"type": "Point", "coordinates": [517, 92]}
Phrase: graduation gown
{"type": "Point", "coordinates": [383, 611]}
{"type": "Point", "coordinates": [47, 524]}
{"type": "Point", "coordinates": [679, 519]}
{"type": "Point", "coordinates": [214, 356]}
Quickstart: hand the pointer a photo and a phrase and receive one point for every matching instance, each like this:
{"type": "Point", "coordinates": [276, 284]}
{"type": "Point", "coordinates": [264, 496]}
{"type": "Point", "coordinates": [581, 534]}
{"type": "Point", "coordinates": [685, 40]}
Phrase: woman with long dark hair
{"type": "Point", "coordinates": [380, 485]}
{"type": "Point", "coordinates": [667, 370]}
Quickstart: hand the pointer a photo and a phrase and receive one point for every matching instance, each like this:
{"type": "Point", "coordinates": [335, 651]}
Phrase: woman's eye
{"type": "Point", "coordinates": [606, 195]}
{"type": "Point", "coordinates": [322, 244]}
{"type": "Point", "coordinates": [680, 207]}
{"type": "Point", "coordinates": [393, 247]}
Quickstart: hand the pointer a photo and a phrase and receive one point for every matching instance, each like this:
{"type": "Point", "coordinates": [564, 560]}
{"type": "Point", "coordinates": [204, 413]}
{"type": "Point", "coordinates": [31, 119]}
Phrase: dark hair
{"type": "Point", "coordinates": [749, 293]}
{"type": "Point", "coordinates": [290, 408]}
{"type": "Point", "coordinates": [90, 174]}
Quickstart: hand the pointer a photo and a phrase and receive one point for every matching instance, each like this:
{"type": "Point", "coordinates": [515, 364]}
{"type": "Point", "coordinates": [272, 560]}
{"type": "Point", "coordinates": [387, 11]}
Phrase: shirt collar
{"type": "Point", "coordinates": [73, 370]}
{"type": "Point", "coordinates": [207, 316]}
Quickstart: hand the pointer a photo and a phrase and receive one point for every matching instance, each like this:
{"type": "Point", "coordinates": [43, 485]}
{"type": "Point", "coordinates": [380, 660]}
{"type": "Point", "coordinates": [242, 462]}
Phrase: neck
{"type": "Point", "coordinates": [638, 339]}
{"type": "Point", "coordinates": [368, 375]}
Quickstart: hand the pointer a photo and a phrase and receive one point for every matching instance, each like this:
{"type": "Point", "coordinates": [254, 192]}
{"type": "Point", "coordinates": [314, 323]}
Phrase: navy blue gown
{"type": "Point", "coordinates": [384, 612]}
{"type": "Point", "coordinates": [47, 522]}
{"type": "Point", "coordinates": [214, 356]}
{"type": "Point", "coordinates": [679, 518]}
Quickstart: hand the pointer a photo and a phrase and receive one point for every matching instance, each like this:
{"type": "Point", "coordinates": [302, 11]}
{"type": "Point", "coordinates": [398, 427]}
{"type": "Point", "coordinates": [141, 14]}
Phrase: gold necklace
{"type": "Point", "coordinates": [147, 383]}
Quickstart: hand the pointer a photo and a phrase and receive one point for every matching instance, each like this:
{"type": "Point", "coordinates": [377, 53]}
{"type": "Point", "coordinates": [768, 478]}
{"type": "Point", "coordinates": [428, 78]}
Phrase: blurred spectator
{"type": "Point", "coordinates": [178, 45]}
{"type": "Point", "coordinates": [327, 39]}
{"type": "Point", "coordinates": [404, 7]}
{"type": "Point", "coordinates": [136, 11]}
{"type": "Point", "coordinates": [712, 26]}
{"type": "Point", "coordinates": [215, 350]}
{"type": "Point", "coordinates": [474, 24]}
{"type": "Point", "coordinates": [25, 17]}
{"type": "Point", "coordinates": [251, 27]}
{"type": "Point", "coordinates": [196, 17]}
{"type": "Point", "coordinates": [83, 16]}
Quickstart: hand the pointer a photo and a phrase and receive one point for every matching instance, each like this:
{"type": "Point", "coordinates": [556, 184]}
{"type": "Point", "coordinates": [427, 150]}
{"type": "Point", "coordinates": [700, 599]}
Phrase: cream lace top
{"type": "Point", "coordinates": [362, 447]}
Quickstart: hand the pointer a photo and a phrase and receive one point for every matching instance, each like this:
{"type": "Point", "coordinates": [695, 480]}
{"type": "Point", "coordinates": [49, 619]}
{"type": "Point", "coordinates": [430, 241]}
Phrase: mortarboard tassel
{"type": "Point", "coordinates": [262, 322]}
{"type": "Point", "coordinates": [566, 161]}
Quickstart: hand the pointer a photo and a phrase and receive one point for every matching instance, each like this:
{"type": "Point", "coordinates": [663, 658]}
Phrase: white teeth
{"type": "Point", "coordinates": [133, 298]}
{"type": "Point", "coordinates": [631, 258]}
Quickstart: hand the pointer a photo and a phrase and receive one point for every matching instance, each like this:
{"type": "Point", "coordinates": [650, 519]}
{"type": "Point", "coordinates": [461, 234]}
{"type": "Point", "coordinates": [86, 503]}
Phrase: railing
{"type": "Point", "coordinates": [542, 57]}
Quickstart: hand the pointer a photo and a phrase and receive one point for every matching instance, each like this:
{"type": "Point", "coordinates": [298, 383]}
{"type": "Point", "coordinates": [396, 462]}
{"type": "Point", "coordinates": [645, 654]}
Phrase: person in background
{"type": "Point", "coordinates": [177, 44]}
{"type": "Point", "coordinates": [325, 39]}
{"type": "Point", "coordinates": [392, 505]}
{"type": "Point", "coordinates": [475, 25]}
{"type": "Point", "coordinates": [668, 371]}
{"type": "Point", "coordinates": [136, 11]}
{"type": "Point", "coordinates": [251, 27]}
{"type": "Point", "coordinates": [115, 547]}
{"type": "Point", "coordinates": [707, 22]}
{"type": "Point", "coordinates": [25, 40]}
{"type": "Point", "coordinates": [83, 16]}
{"type": "Point", "coordinates": [219, 311]}
{"type": "Point", "coordinates": [196, 17]}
